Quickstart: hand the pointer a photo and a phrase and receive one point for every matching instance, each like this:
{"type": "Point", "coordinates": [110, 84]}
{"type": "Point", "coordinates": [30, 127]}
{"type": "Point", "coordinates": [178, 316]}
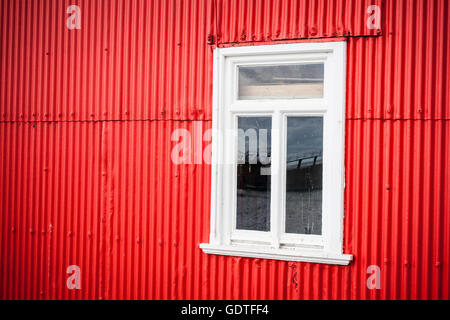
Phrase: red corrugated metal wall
{"type": "Point", "coordinates": [86, 178]}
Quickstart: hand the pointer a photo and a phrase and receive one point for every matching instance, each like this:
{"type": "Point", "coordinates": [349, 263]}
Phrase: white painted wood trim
{"type": "Point", "coordinates": [313, 256]}
{"type": "Point", "coordinates": [224, 239]}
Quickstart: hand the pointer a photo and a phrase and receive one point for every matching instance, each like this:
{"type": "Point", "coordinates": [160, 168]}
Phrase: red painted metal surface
{"type": "Point", "coordinates": [85, 142]}
{"type": "Point", "coordinates": [267, 20]}
{"type": "Point", "coordinates": [114, 67]}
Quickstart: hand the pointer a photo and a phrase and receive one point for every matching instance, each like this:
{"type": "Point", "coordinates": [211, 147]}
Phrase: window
{"type": "Point", "coordinates": [278, 152]}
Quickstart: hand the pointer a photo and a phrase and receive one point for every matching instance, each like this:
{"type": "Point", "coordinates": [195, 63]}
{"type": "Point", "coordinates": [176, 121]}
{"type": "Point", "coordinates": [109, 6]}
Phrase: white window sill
{"type": "Point", "coordinates": [287, 254]}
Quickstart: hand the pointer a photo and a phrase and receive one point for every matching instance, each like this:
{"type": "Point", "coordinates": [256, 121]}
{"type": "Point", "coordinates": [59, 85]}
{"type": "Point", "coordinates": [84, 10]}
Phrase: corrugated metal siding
{"type": "Point", "coordinates": [267, 20]}
{"type": "Point", "coordinates": [114, 67]}
{"type": "Point", "coordinates": [397, 205]}
{"type": "Point", "coordinates": [404, 73]}
{"type": "Point", "coordinates": [86, 176]}
{"type": "Point", "coordinates": [51, 200]}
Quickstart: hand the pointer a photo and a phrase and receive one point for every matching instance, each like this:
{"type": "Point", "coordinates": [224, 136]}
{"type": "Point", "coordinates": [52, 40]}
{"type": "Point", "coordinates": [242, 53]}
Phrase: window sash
{"type": "Point", "coordinates": [277, 109]}
{"type": "Point", "coordinates": [276, 237]}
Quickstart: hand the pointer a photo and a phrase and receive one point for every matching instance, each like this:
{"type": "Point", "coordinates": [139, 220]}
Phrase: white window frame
{"type": "Point", "coordinates": [276, 244]}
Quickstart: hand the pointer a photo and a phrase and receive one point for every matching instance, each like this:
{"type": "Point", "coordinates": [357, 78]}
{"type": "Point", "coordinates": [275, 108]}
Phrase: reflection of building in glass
{"type": "Point", "coordinates": [253, 175]}
{"type": "Point", "coordinates": [281, 81]}
{"type": "Point", "coordinates": [304, 171]}
{"type": "Point", "coordinates": [304, 193]}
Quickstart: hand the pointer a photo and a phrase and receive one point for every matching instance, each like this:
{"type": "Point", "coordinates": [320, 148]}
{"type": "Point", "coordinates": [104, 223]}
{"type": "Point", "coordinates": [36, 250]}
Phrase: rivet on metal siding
{"type": "Point", "coordinates": [438, 264]}
{"type": "Point", "coordinates": [138, 240]}
{"type": "Point", "coordinates": [160, 242]}
{"type": "Point", "coordinates": [420, 110]}
{"type": "Point", "coordinates": [70, 234]}
{"type": "Point", "coordinates": [209, 39]}
{"type": "Point", "coordinates": [117, 238]}
{"type": "Point", "coordinates": [90, 234]}
{"type": "Point", "coordinates": [13, 229]}
{"type": "Point", "coordinates": [388, 187]}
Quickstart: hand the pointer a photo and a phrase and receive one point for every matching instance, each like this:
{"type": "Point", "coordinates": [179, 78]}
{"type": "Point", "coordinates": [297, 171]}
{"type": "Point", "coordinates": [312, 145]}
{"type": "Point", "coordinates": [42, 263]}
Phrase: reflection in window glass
{"type": "Point", "coordinates": [293, 81]}
{"type": "Point", "coordinates": [253, 173]}
{"type": "Point", "coordinates": [304, 175]}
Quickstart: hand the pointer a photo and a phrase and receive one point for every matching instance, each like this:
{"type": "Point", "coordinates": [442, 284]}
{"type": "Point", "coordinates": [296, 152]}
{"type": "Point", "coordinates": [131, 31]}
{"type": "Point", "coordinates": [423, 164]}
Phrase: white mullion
{"type": "Point", "coordinates": [275, 170]}
{"type": "Point", "coordinates": [261, 106]}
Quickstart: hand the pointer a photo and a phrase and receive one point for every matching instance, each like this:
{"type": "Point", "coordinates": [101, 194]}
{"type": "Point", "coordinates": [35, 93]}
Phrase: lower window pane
{"type": "Point", "coordinates": [304, 175]}
{"type": "Point", "coordinates": [253, 173]}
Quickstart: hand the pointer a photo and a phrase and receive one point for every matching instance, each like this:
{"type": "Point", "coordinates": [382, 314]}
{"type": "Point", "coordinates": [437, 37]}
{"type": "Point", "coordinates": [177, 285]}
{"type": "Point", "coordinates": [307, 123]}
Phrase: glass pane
{"type": "Point", "coordinates": [304, 175]}
{"type": "Point", "coordinates": [294, 81]}
{"type": "Point", "coordinates": [253, 173]}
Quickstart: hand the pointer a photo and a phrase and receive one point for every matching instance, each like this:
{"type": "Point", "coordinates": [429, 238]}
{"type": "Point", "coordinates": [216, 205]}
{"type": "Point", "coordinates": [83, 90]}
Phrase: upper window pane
{"type": "Point", "coordinates": [292, 81]}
